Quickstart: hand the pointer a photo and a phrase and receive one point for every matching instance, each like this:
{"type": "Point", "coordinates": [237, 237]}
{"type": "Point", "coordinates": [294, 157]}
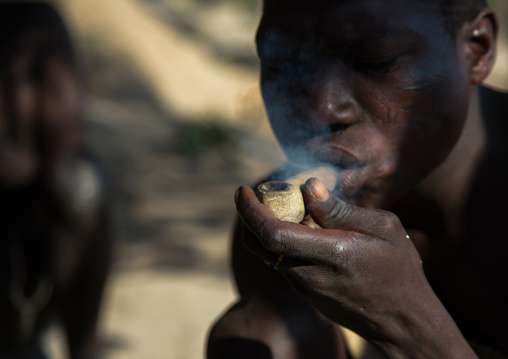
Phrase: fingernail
{"type": "Point", "coordinates": [320, 191]}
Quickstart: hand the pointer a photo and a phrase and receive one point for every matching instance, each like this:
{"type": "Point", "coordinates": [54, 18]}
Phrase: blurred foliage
{"type": "Point", "coordinates": [194, 138]}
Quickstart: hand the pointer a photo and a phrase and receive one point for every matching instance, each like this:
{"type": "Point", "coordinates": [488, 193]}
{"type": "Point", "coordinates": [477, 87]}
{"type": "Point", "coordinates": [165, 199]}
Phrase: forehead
{"type": "Point", "coordinates": [355, 21]}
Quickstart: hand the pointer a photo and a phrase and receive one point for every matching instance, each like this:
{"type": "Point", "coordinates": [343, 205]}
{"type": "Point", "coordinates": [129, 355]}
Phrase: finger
{"type": "Point", "coordinates": [276, 261]}
{"type": "Point", "coordinates": [289, 239]}
{"type": "Point", "coordinates": [309, 222]}
{"type": "Point", "coordinates": [251, 242]}
{"type": "Point", "coordinates": [331, 212]}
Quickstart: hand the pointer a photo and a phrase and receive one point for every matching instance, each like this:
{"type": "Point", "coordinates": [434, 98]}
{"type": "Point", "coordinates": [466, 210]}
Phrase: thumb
{"type": "Point", "coordinates": [331, 212]}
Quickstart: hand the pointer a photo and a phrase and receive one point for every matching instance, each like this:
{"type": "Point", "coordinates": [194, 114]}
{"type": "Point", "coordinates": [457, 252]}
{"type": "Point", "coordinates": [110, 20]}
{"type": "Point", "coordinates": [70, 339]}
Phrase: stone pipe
{"type": "Point", "coordinates": [285, 199]}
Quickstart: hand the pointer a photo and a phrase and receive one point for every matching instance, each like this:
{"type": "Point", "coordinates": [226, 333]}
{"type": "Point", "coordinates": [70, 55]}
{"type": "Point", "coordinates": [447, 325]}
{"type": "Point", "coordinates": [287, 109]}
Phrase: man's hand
{"type": "Point", "coordinates": [361, 270]}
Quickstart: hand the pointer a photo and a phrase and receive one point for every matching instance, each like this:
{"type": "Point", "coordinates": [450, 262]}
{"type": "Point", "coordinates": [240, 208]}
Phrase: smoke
{"type": "Point", "coordinates": [301, 161]}
{"type": "Point", "coordinates": [288, 78]}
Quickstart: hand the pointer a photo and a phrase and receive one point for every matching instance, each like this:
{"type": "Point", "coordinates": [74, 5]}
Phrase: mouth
{"type": "Point", "coordinates": [352, 172]}
{"type": "Point", "coordinates": [351, 181]}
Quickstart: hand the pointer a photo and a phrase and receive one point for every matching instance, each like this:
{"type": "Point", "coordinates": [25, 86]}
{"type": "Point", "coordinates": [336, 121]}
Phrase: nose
{"type": "Point", "coordinates": [332, 103]}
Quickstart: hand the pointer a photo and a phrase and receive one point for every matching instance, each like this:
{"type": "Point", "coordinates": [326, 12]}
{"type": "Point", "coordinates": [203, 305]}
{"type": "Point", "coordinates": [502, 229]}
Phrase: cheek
{"type": "Point", "coordinates": [414, 123]}
{"type": "Point", "coordinates": [426, 108]}
{"type": "Point", "coordinates": [436, 122]}
{"type": "Point", "coordinates": [440, 91]}
{"type": "Point", "coordinates": [282, 109]}
{"type": "Point", "coordinates": [292, 97]}
{"type": "Point", "coordinates": [278, 105]}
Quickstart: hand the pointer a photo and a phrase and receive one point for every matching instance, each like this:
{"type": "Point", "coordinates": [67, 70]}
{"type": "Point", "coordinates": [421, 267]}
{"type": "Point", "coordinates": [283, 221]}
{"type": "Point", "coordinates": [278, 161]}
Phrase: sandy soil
{"type": "Point", "coordinates": [177, 69]}
{"type": "Point", "coordinates": [149, 85]}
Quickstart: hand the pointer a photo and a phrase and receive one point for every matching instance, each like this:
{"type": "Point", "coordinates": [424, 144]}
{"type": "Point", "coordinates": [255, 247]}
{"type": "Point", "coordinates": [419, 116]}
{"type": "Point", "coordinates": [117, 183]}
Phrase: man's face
{"type": "Point", "coordinates": [379, 89]}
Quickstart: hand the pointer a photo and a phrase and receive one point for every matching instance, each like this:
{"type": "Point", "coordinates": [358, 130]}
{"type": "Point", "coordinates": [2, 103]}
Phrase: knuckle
{"type": "Point", "coordinates": [275, 238]}
{"type": "Point", "coordinates": [338, 211]}
{"type": "Point", "coordinates": [281, 241]}
{"type": "Point", "coordinates": [388, 224]}
{"type": "Point", "coordinates": [341, 252]}
{"type": "Point", "coordinates": [264, 229]}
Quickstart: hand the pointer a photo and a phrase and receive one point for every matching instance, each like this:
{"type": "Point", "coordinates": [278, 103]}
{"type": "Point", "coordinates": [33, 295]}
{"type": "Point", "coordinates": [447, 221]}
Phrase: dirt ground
{"type": "Point", "coordinates": [174, 109]}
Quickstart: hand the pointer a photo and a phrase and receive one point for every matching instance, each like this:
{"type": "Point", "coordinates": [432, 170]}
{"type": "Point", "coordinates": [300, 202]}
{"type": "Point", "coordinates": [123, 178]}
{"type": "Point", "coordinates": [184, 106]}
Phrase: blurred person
{"type": "Point", "coordinates": [408, 251]}
{"type": "Point", "coordinates": [54, 231]}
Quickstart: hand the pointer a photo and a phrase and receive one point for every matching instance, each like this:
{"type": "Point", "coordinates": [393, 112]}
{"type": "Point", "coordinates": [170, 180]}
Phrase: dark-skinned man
{"type": "Point", "coordinates": [411, 244]}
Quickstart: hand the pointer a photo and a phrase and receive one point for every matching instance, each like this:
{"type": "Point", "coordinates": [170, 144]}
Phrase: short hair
{"type": "Point", "coordinates": [456, 12]}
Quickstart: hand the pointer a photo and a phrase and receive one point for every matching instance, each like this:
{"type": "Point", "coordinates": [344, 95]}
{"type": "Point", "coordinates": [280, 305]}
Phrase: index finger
{"type": "Point", "coordinates": [286, 238]}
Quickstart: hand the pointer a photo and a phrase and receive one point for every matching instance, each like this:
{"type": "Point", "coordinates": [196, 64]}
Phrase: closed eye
{"type": "Point", "coordinates": [377, 66]}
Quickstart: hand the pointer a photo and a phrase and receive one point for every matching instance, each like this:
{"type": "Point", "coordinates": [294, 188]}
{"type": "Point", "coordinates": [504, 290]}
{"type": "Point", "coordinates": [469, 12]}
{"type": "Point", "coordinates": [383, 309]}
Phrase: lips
{"type": "Point", "coordinates": [352, 172]}
{"type": "Point", "coordinates": [351, 181]}
{"type": "Point", "coordinates": [336, 155]}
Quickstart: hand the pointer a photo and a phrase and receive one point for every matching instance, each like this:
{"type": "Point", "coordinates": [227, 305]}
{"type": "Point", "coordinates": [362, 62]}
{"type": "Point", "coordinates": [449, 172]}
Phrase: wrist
{"type": "Point", "coordinates": [422, 330]}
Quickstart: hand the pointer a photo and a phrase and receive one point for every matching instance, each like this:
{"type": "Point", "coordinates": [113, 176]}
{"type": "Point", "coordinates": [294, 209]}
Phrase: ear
{"type": "Point", "coordinates": [479, 36]}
